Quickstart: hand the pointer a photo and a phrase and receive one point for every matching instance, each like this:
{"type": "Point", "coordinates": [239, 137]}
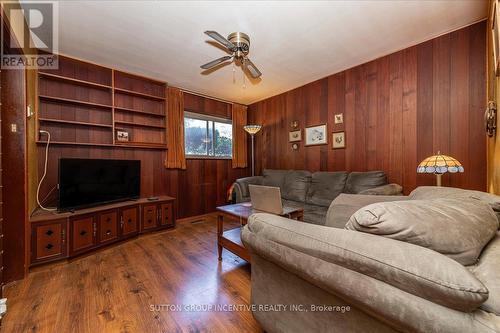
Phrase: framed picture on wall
{"type": "Point", "coordinates": [495, 35]}
{"type": "Point", "coordinates": [295, 136]}
{"type": "Point", "coordinates": [338, 140]}
{"type": "Point", "coordinates": [316, 135]}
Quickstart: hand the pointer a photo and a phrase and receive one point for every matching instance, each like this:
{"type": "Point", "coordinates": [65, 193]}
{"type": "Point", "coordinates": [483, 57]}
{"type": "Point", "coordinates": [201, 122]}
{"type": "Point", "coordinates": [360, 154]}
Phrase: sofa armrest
{"type": "Point", "coordinates": [388, 189]}
{"type": "Point", "coordinates": [407, 267]}
{"type": "Point", "coordinates": [342, 208]}
{"type": "Point", "coordinates": [241, 187]}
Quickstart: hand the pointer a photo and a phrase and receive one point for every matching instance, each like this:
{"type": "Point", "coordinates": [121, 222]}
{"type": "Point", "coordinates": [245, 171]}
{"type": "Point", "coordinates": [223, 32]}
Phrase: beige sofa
{"type": "Point", "coordinates": [367, 283]}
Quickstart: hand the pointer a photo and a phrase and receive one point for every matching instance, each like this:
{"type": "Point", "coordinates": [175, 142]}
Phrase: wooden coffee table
{"type": "Point", "coordinates": [231, 239]}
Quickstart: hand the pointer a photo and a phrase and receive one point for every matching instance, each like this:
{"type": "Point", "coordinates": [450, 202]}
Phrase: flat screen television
{"type": "Point", "coordinates": [91, 182]}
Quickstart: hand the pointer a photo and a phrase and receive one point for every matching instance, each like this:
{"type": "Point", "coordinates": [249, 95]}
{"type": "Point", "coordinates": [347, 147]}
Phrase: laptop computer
{"type": "Point", "coordinates": [266, 199]}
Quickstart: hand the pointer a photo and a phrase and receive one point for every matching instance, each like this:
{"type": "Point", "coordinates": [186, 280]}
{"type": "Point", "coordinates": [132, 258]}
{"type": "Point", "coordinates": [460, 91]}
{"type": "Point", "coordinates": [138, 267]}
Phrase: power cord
{"type": "Point", "coordinates": [49, 209]}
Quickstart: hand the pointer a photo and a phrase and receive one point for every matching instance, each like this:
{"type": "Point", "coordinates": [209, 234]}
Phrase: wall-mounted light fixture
{"type": "Point", "coordinates": [490, 118]}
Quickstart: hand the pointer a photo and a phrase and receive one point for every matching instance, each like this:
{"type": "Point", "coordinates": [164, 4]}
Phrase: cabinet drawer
{"type": "Point", "coordinates": [149, 217]}
{"type": "Point", "coordinates": [49, 241]}
{"type": "Point", "coordinates": [129, 221]}
{"type": "Point", "coordinates": [108, 226]}
{"type": "Point", "coordinates": [83, 233]}
{"type": "Point", "coordinates": [167, 216]}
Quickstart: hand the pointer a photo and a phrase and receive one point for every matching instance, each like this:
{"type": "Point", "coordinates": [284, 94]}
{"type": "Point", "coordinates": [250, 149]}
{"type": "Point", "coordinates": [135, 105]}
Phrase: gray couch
{"type": "Point", "coordinates": [371, 283]}
{"type": "Point", "coordinates": [315, 191]}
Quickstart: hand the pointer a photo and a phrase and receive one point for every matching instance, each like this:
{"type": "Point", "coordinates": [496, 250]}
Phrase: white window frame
{"type": "Point", "coordinates": [213, 119]}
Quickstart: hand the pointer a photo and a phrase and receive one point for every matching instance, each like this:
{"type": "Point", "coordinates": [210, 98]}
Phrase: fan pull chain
{"type": "Point", "coordinates": [244, 81]}
{"type": "Point", "coordinates": [234, 73]}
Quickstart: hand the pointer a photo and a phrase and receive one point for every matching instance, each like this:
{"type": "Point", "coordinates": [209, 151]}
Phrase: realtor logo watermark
{"type": "Point", "coordinates": [34, 43]}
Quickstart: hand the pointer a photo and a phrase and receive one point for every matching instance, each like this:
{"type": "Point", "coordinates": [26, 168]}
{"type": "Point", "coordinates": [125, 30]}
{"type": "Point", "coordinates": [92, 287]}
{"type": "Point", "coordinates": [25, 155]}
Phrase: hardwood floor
{"type": "Point", "coordinates": [115, 290]}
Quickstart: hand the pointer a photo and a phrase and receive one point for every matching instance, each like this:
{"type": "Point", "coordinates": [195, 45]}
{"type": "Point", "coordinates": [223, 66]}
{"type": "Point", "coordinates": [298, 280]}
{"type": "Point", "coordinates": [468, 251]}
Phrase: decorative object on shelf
{"type": "Point", "coordinates": [295, 146]}
{"type": "Point", "coordinates": [294, 124]}
{"type": "Point", "coordinates": [122, 136]}
{"type": "Point", "coordinates": [490, 118]}
{"type": "Point", "coordinates": [294, 136]}
{"type": "Point", "coordinates": [438, 165]}
{"type": "Point", "coordinates": [338, 140]}
{"type": "Point", "coordinates": [316, 135]}
{"type": "Point", "coordinates": [339, 118]}
{"type": "Point", "coordinates": [252, 130]}
{"type": "Point", "coordinates": [495, 36]}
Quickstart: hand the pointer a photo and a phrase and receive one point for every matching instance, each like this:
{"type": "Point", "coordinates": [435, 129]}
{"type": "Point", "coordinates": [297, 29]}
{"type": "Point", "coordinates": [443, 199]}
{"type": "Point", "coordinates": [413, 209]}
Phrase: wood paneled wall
{"type": "Point", "coordinates": [397, 109]}
{"type": "Point", "coordinates": [198, 189]}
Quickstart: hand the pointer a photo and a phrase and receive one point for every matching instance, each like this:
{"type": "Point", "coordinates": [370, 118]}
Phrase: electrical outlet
{"type": "Point", "coordinates": [29, 111]}
{"type": "Point", "coordinates": [13, 128]}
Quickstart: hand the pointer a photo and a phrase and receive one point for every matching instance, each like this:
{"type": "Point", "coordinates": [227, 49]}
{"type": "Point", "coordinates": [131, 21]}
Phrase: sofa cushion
{"type": "Point", "coordinates": [487, 270]}
{"type": "Point", "coordinates": [458, 229]}
{"type": "Point", "coordinates": [389, 189]}
{"type": "Point", "coordinates": [342, 208]}
{"type": "Point", "coordinates": [325, 186]}
{"type": "Point", "coordinates": [360, 181]}
{"type": "Point", "coordinates": [295, 185]}
{"type": "Point", "coordinates": [315, 214]}
{"type": "Point", "coordinates": [274, 177]}
{"type": "Point", "coordinates": [414, 269]}
{"type": "Point", "coordinates": [436, 192]}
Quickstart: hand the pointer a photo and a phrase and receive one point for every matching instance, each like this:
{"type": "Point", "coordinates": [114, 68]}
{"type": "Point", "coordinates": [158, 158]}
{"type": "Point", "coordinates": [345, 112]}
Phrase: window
{"type": "Point", "coordinates": [207, 136]}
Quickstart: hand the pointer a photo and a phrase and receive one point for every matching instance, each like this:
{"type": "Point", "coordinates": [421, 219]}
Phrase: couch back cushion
{"type": "Point", "coordinates": [274, 177]}
{"type": "Point", "coordinates": [342, 208]}
{"type": "Point", "coordinates": [295, 185]}
{"type": "Point", "coordinates": [437, 192]}
{"type": "Point", "coordinates": [360, 181]}
{"type": "Point", "coordinates": [487, 271]}
{"type": "Point", "coordinates": [325, 187]}
{"type": "Point", "coordinates": [459, 229]}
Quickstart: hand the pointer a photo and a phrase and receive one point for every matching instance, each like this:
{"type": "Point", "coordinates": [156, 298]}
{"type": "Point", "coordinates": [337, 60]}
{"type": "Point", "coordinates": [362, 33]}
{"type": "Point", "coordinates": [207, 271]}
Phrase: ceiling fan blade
{"type": "Point", "coordinates": [215, 35]}
{"type": "Point", "coordinates": [215, 62]}
{"type": "Point", "coordinates": [251, 68]}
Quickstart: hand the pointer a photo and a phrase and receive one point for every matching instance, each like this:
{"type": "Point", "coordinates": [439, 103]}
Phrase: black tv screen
{"type": "Point", "coordinates": [90, 182]}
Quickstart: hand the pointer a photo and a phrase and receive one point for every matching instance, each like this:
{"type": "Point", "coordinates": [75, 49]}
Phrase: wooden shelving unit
{"type": "Point", "coordinates": [76, 81]}
{"type": "Point", "coordinates": [78, 123]}
{"type": "Point", "coordinates": [74, 101]}
{"type": "Point", "coordinates": [139, 109]}
{"type": "Point", "coordinates": [84, 104]}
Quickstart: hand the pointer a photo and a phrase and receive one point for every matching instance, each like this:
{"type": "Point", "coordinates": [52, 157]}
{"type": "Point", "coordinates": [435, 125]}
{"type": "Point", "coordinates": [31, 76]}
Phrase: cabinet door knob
{"type": "Point", "coordinates": [83, 232]}
{"type": "Point", "coordinates": [108, 219]}
{"type": "Point", "coordinates": [49, 232]}
{"type": "Point", "coordinates": [49, 246]}
{"type": "Point", "coordinates": [108, 232]}
{"type": "Point", "coordinates": [129, 220]}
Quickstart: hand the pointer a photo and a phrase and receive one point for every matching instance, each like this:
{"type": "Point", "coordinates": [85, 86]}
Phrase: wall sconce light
{"type": "Point", "coordinates": [490, 119]}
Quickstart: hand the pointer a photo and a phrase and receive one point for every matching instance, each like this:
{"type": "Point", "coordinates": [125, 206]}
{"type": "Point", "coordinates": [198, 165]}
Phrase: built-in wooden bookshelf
{"type": "Point", "coordinates": [84, 104]}
{"type": "Point", "coordinates": [139, 109]}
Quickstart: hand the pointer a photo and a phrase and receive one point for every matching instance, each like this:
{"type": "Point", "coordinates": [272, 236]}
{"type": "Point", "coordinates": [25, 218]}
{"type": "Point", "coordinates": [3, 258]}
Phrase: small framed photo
{"type": "Point", "coordinates": [338, 140]}
{"type": "Point", "coordinates": [122, 136]}
{"type": "Point", "coordinates": [339, 118]}
{"type": "Point", "coordinates": [316, 135]}
{"type": "Point", "coordinates": [295, 136]}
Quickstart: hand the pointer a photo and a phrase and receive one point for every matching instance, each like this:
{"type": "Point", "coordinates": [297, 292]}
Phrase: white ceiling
{"type": "Point", "coordinates": [292, 42]}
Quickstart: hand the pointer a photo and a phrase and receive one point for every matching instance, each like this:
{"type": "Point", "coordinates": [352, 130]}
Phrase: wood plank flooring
{"type": "Point", "coordinates": [115, 289]}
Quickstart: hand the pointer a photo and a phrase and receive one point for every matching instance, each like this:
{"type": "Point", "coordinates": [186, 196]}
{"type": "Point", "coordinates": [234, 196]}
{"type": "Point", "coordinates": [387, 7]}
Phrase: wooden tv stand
{"type": "Point", "coordinates": [56, 236]}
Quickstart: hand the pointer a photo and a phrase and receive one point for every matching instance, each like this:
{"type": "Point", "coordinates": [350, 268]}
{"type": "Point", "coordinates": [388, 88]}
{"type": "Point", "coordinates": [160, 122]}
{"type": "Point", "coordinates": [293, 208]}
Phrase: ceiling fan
{"type": "Point", "coordinates": [238, 44]}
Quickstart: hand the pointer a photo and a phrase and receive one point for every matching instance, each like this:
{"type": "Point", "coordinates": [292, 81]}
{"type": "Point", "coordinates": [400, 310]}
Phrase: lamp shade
{"type": "Point", "coordinates": [439, 164]}
{"type": "Point", "coordinates": [252, 129]}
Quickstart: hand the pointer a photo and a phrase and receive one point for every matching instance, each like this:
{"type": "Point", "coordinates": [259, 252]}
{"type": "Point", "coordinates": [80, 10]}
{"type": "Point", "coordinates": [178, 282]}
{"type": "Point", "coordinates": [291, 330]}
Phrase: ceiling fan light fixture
{"type": "Point", "coordinates": [238, 44]}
